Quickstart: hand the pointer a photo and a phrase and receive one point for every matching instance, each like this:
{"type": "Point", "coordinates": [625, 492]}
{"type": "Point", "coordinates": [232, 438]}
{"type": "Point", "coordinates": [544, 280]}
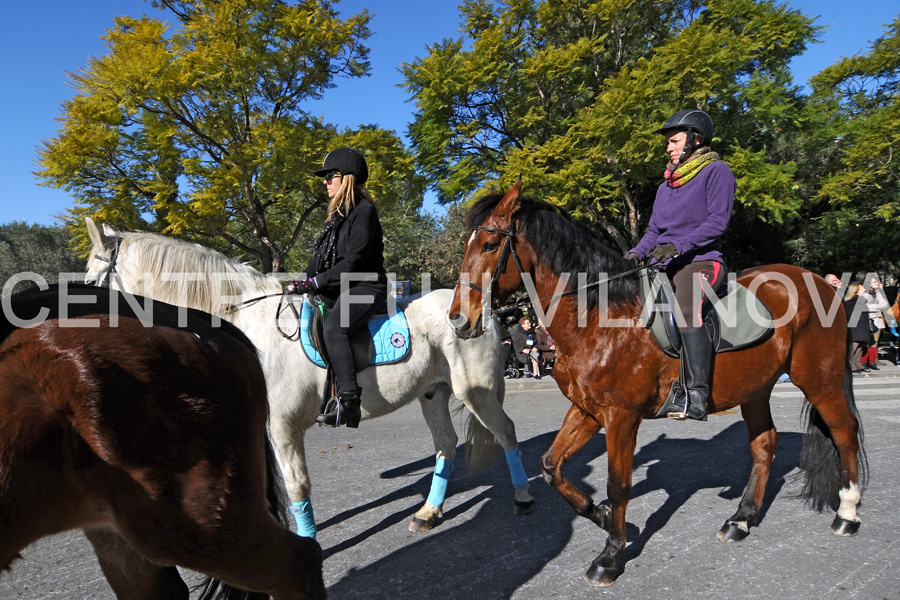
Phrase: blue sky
{"type": "Point", "coordinates": [40, 40]}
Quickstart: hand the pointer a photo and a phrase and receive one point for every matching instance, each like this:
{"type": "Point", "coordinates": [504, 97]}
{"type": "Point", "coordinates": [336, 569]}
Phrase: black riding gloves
{"type": "Point", "coordinates": [664, 252]}
{"type": "Point", "coordinates": [307, 286]}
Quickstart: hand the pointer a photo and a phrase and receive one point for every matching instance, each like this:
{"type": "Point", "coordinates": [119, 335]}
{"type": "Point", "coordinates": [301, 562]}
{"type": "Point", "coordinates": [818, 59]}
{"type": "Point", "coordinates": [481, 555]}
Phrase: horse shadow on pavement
{"type": "Point", "coordinates": [491, 555]}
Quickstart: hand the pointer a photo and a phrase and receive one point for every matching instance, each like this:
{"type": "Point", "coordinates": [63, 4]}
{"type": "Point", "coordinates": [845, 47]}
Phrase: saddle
{"type": "Point", "coordinates": [384, 341]}
{"type": "Point", "coordinates": [734, 319]}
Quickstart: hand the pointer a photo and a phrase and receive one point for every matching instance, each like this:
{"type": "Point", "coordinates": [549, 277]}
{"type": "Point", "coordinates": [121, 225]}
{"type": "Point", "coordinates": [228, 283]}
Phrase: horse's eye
{"type": "Point", "coordinates": [489, 247]}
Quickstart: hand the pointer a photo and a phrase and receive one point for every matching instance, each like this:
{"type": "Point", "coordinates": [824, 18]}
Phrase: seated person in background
{"type": "Point", "coordinates": [525, 345]}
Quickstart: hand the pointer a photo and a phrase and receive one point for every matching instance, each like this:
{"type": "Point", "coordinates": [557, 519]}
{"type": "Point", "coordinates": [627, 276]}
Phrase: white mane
{"type": "Point", "coordinates": [188, 274]}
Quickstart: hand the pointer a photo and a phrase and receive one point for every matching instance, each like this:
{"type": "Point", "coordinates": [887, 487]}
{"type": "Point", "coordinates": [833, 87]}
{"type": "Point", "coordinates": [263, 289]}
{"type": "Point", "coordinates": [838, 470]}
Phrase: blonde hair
{"type": "Point", "coordinates": [345, 198]}
{"type": "Point", "coordinates": [852, 291]}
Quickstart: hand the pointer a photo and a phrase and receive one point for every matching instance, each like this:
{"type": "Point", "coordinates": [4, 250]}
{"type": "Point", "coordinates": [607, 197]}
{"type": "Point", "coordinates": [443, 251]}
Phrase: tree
{"type": "Point", "coordinates": [861, 94]}
{"type": "Point", "coordinates": [847, 171]}
{"type": "Point", "coordinates": [567, 94]}
{"type": "Point", "coordinates": [435, 247]}
{"type": "Point", "coordinates": [37, 249]}
{"type": "Point", "coordinates": [200, 131]}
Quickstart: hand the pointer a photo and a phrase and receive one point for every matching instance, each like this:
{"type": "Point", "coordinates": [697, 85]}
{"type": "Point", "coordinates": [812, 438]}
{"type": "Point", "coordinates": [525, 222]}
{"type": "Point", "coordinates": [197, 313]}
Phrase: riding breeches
{"type": "Point", "coordinates": [351, 312]}
{"type": "Point", "coordinates": [689, 293]}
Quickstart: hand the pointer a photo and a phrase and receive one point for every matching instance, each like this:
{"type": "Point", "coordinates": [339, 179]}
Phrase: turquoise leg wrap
{"type": "Point", "coordinates": [306, 521]}
{"type": "Point", "coordinates": [439, 482]}
{"type": "Point", "coordinates": [516, 470]}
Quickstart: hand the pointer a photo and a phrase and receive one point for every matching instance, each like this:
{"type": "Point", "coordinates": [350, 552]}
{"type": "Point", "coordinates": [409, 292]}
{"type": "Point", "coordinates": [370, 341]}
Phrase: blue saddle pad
{"type": "Point", "coordinates": [389, 334]}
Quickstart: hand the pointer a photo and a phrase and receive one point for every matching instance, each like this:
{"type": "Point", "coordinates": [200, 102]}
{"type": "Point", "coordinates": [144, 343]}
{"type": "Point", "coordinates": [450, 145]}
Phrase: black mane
{"type": "Point", "coordinates": [564, 245]}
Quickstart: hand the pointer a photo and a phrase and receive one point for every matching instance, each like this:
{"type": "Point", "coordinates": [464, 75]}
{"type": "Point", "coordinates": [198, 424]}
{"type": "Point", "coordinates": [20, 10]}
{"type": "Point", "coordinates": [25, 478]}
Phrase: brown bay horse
{"type": "Point", "coordinates": [145, 425]}
{"type": "Point", "coordinates": [615, 375]}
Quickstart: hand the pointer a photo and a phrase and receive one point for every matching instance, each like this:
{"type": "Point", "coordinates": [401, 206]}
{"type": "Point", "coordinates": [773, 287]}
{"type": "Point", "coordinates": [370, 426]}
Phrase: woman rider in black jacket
{"type": "Point", "coordinates": [348, 270]}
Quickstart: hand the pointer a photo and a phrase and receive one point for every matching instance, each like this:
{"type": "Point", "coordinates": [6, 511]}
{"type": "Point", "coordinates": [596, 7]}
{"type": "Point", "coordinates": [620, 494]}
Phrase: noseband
{"type": "Point", "coordinates": [507, 249]}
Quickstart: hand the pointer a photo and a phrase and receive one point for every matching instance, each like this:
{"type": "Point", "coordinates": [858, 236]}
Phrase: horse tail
{"type": "Point", "coordinates": [216, 589]}
{"type": "Point", "coordinates": [820, 459]}
{"type": "Point", "coordinates": [481, 445]}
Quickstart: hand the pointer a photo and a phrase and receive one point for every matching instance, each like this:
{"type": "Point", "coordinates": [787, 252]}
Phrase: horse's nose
{"type": "Point", "coordinates": [461, 325]}
{"type": "Point", "coordinates": [456, 321]}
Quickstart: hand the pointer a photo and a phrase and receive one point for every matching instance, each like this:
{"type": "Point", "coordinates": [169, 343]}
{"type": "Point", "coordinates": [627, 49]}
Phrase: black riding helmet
{"type": "Point", "coordinates": [692, 121]}
{"type": "Point", "coordinates": [346, 161]}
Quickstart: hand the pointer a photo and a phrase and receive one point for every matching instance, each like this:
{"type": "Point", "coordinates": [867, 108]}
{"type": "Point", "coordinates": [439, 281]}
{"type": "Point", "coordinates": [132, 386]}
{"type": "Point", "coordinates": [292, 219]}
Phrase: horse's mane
{"type": "Point", "coordinates": [565, 246]}
{"type": "Point", "coordinates": [221, 279]}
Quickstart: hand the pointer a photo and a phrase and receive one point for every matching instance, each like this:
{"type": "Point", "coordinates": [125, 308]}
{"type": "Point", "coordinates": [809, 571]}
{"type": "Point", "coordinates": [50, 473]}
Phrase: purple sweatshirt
{"type": "Point", "coordinates": [693, 216]}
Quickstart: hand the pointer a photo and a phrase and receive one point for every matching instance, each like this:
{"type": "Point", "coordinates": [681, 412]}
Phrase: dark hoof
{"type": "Point", "coordinates": [522, 508]}
{"type": "Point", "coordinates": [418, 524]}
{"type": "Point", "coordinates": [732, 532]}
{"type": "Point", "coordinates": [601, 576]}
{"type": "Point", "coordinates": [845, 528]}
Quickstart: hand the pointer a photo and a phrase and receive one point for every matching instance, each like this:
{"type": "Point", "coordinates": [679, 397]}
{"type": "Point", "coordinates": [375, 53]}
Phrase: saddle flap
{"type": "Point", "coordinates": [658, 314]}
{"type": "Point", "coordinates": [743, 318]}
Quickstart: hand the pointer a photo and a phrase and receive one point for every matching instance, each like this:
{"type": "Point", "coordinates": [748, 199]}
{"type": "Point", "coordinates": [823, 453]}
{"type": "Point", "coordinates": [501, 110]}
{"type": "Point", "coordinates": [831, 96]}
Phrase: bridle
{"type": "Point", "coordinates": [509, 248]}
{"type": "Point", "coordinates": [111, 261]}
{"type": "Point", "coordinates": [505, 251]}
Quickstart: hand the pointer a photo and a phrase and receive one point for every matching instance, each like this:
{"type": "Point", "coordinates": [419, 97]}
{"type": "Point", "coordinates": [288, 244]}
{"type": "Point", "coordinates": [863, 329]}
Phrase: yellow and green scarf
{"type": "Point", "coordinates": [691, 167]}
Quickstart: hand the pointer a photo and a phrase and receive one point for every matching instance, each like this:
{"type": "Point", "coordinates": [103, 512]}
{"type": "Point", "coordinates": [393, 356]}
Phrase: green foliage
{"type": "Point", "coordinates": [567, 96]}
{"type": "Point", "coordinates": [199, 130]}
{"type": "Point", "coordinates": [434, 247]}
{"type": "Point", "coordinates": [37, 249]}
{"type": "Point", "coordinates": [862, 94]}
{"type": "Point", "coordinates": [847, 168]}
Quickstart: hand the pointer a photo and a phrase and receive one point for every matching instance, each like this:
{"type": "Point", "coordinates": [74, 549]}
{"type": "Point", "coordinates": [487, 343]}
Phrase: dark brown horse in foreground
{"type": "Point", "coordinates": [150, 438]}
{"type": "Point", "coordinates": [615, 375]}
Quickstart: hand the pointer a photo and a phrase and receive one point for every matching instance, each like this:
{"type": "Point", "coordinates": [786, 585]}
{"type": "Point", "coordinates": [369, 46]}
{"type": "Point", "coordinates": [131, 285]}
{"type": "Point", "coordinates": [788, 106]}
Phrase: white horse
{"type": "Point", "coordinates": [438, 364]}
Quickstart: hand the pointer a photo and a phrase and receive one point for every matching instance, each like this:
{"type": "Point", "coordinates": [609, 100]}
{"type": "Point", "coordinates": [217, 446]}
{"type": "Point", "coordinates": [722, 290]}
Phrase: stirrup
{"type": "Point", "coordinates": [684, 414]}
{"type": "Point", "coordinates": [341, 411]}
{"type": "Point", "coordinates": [332, 407]}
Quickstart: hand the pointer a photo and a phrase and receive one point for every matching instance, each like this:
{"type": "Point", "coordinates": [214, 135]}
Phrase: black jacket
{"type": "Point", "coordinates": [520, 341]}
{"type": "Point", "coordinates": [857, 324]}
{"type": "Point", "coordinates": [360, 249]}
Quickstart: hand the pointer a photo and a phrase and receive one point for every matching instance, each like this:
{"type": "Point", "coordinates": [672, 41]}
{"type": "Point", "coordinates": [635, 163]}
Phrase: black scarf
{"type": "Point", "coordinates": [326, 245]}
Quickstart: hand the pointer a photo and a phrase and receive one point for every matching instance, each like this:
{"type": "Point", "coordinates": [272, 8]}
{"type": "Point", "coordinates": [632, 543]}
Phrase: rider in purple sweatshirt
{"type": "Point", "coordinates": [692, 217]}
{"type": "Point", "coordinates": [690, 214]}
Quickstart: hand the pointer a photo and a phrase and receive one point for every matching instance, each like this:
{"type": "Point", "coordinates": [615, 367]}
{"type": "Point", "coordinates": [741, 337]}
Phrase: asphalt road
{"type": "Point", "coordinates": [688, 478]}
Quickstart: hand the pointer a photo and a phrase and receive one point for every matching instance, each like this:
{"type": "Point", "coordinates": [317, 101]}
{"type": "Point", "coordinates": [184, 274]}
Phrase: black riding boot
{"type": "Point", "coordinates": [696, 362]}
{"type": "Point", "coordinates": [343, 410]}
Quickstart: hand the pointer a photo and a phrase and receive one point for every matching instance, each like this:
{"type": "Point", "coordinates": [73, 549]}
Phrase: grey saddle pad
{"type": "Point", "coordinates": [734, 320]}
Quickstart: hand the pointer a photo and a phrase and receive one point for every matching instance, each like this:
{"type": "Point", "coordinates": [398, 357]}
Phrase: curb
{"type": "Point", "coordinates": [885, 370]}
{"type": "Point", "coordinates": [520, 384]}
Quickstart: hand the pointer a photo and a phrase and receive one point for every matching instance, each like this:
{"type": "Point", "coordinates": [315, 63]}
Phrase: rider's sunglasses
{"type": "Point", "coordinates": [331, 176]}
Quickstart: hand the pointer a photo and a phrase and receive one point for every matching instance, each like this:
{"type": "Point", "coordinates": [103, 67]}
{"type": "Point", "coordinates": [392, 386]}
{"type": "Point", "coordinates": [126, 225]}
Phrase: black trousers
{"type": "Point", "coordinates": [350, 313]}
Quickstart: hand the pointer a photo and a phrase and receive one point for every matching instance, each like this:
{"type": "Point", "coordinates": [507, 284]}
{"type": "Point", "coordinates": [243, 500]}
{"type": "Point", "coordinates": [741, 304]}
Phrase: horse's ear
{"type": "Point", "coordinates": [98, 238]}
{"type": "Point", "coordinates": [93, 232]}
{"type": "Point", "coordinates": [509, 204]}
